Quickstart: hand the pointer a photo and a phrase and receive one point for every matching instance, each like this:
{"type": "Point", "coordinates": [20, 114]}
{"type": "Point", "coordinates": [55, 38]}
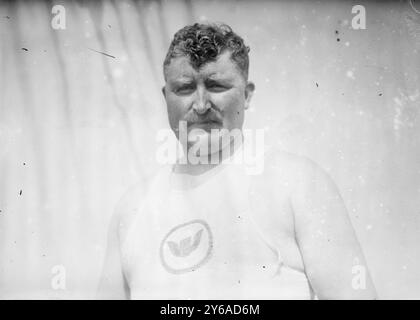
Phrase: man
{"type": "Point", "coordinates": [207, 229]}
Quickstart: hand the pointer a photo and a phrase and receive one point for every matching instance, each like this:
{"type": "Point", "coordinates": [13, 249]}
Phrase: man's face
{"type": "Point", "coordinates": [213, 97]}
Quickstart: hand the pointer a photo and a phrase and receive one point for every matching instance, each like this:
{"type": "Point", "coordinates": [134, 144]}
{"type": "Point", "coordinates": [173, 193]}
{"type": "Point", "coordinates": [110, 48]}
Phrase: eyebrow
{"type": "Point", "coordinates": [219, 77]}
{"type": "Point", "coordinates": [183, 76]}
{"type": "Point", "coordinates": [182, 81]}
{"type": "Point", "coordinates": [215, 76]}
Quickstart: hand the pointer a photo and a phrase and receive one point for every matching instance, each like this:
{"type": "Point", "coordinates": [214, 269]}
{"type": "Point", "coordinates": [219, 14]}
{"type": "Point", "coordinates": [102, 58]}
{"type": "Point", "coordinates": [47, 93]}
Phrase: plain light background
{"type": "Point", "coordinates": [77, 127]}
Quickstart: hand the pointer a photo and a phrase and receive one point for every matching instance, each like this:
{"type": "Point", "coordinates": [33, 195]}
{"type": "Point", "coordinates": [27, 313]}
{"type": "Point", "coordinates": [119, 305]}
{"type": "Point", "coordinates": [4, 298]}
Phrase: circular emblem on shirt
{"type": "Point", "coordinates": [415, 5]}
{"type": "Point", "coordinates": [186, 247]}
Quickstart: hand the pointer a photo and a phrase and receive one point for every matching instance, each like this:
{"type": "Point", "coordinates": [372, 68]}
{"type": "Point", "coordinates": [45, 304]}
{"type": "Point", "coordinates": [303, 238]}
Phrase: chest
{"type": "Point", "coordinates": [200, 257]}
{"type": "Point", "coordinates": [219, 241]}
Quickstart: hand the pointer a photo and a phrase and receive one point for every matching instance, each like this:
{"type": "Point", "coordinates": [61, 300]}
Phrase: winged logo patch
{"type": "Point", "coordinates": [186, 247]}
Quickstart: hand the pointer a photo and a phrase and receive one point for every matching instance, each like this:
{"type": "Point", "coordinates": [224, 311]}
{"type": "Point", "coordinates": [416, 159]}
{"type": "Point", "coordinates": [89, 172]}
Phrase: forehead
{"type": "Point", "coordinates": [223, 67]}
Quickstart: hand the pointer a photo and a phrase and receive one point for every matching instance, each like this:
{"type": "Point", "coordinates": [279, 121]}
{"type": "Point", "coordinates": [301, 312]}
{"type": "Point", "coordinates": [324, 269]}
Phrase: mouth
{"type": "Point", "coordinates": [205, 125]}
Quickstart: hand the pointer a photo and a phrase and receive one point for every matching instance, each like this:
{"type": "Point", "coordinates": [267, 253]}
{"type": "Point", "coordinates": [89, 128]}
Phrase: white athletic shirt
{"type": "Point", "coordinates": [197, 237]}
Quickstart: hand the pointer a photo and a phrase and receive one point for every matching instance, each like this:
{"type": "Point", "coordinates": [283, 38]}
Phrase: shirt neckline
{"type": "Point", "coordinates": [182, 182]}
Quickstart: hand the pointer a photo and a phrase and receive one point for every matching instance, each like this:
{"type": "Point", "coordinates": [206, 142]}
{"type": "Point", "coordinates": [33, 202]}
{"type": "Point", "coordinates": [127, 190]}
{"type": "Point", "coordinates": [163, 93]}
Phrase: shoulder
{"type": "Point", "coordinates": [296, 170]}
{"type": "Point", "coordinates": [309, 184]}
{"type": "Point", "coordinates": [297, 176]}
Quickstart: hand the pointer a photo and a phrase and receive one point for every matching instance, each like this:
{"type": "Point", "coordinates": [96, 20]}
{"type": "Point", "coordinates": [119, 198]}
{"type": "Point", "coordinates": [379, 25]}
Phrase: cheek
{"type": "Point", "coordinates": [177, 107]}
{"type": "Point", "coordinates": [232, 106]}
{"type": "Point", "coordinates": [175, 103]}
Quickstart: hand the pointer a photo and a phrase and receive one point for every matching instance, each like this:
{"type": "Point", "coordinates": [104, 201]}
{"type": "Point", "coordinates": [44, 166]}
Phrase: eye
{"type": "Point", "coordinates": [216, 87]}
{"type": "Point", "coordinates": [185, 90]}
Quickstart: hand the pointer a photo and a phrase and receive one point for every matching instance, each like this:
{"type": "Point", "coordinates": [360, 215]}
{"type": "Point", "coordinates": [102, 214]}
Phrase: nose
{"type": "Point", "coordinates": [201, 102]}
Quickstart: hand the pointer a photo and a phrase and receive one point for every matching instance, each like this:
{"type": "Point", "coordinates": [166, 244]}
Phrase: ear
{"type": "Point", "coordinates": [249, 91]}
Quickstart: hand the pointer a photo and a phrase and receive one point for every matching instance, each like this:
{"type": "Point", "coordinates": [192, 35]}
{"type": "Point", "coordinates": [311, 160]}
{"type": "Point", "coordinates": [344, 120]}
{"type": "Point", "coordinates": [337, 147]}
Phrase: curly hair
{"type": "Point", "coordinates": [203, 43]}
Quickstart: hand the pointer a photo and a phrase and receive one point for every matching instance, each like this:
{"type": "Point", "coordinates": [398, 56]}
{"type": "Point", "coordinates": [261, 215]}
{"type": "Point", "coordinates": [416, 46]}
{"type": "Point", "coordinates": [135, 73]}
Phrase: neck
{"type": "Point", "coordinates": [205, 164]}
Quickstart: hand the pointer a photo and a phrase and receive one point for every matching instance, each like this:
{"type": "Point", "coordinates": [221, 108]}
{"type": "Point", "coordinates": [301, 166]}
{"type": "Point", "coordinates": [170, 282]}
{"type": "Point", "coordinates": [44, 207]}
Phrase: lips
{"type": "Point", "coordinates": [207, 122]}
{"type": "Point", "coordinates": [205, 125]}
